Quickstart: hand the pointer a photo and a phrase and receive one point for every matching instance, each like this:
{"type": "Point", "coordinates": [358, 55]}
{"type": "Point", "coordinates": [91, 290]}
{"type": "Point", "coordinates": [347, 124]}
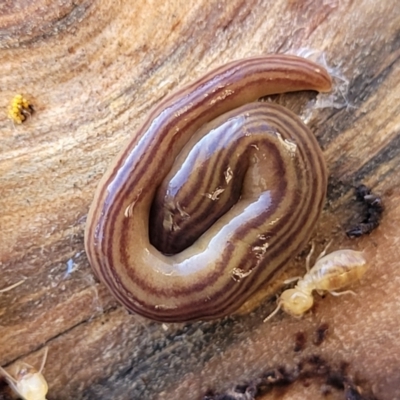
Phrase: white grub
{"type": "Point", "coordinates": [26, 381]}
{"type": "Point", "coordinates": [330, 273]}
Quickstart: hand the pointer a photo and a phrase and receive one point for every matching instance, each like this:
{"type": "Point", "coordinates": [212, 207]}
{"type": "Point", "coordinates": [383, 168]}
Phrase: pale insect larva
{"type": "Point", "coordinates": [26, 381]}
{"type": "Point", "coordinates": [331, 272]}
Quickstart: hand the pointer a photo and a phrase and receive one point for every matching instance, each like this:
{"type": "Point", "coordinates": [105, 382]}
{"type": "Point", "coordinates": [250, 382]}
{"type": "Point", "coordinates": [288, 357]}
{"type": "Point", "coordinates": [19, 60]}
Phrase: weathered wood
{"type": "Point", "coordinates": [92, 70]}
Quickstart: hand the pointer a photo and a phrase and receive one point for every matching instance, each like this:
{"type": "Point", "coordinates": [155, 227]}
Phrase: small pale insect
{"type": "Point", "coordinates": [330, 273]}
{"type": "Point", "coordinates": [26, 381]}
{"type": "Point", "coordinates": [19, 109]}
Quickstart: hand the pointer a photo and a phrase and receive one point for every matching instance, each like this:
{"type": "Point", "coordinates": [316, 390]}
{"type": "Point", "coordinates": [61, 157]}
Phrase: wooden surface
{"type": "Point", "coordinates": [92, 70]}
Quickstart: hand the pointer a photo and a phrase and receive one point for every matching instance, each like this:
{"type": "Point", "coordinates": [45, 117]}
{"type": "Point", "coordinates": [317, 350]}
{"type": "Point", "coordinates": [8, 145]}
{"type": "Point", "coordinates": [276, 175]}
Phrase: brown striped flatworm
{"type": "Point", "coordinates": [213, 194]}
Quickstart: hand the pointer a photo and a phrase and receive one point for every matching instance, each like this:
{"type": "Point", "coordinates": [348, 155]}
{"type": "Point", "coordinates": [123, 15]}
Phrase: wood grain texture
{"type": "Point", "coordinates": [92, 70]}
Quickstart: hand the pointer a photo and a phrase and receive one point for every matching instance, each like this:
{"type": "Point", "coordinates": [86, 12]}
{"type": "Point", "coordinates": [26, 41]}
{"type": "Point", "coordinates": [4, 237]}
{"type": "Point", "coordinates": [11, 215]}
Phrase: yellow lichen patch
{"type": "Point", "coordinates": [19, 109]}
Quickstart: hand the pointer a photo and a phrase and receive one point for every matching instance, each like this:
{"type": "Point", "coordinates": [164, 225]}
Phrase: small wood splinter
{"type": "Point", "coordinates": [6, 289]}
{"type": "Point", "coordinates": [26, 381]}
{"type": "Point", "coordinates": [330, 273]}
